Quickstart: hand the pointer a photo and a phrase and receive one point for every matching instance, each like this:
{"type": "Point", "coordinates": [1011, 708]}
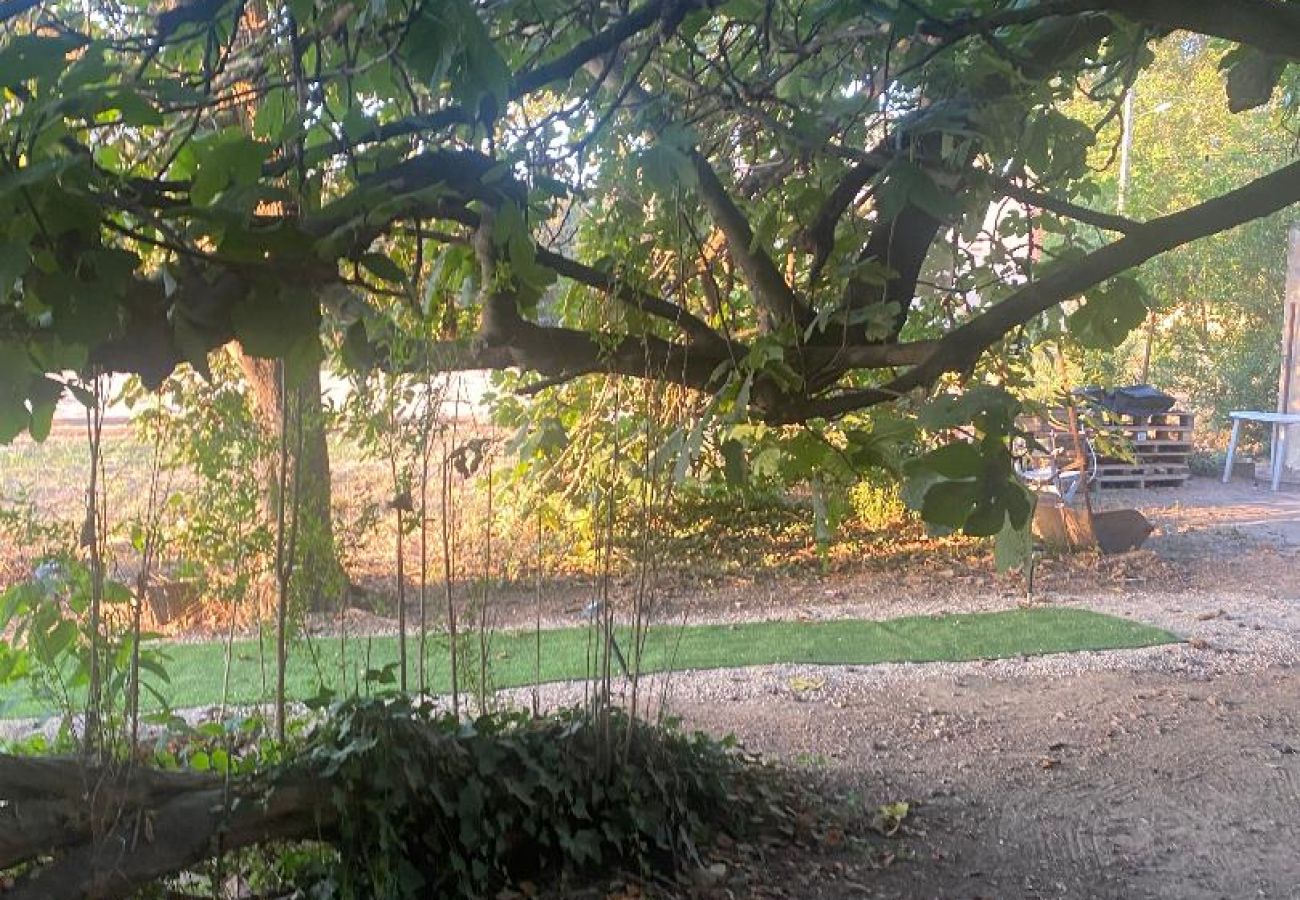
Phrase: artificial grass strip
{"type": "Point", "coordinates": [196, 670]}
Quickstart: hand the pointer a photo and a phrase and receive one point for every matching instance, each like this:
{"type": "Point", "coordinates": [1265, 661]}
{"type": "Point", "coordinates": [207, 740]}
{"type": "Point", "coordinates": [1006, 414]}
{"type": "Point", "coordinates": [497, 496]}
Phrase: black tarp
{"type": "Point", "coordinates": [1134, 400]}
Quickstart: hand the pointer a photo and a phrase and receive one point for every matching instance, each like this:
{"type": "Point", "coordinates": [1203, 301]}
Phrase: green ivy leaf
{"type": "Point", "coordinates": [449, 41]}
{"type": "Point", "coordinates": [45, 394]}
{"type": "Point", "coordinates": [272, 115]}
{"type": "Point", "coordinates": [989, 408]}
{"type": "Point", "coordinates": [134, 109]}
{"type": "Point", "coordinates": [85, 311]}
{"type": "Point", "coordinates": [666, 169]}
{"type": "Point", "coordinates": [57, 641]}
{"type": "Point", "coordinates": [304, 356]}
{"type": "Point", "coordinates": [14, 418]}
{"type": "Point", "coordinates": [14, 260]}
{"type": "Point", "coordinates": [273, 319]}
{"type": "Point", "coordinates": [987, 516]}
{"type": "Point", "coordinates": [906, 184]}
{"type": "Point", "coordinates": [15, 372]}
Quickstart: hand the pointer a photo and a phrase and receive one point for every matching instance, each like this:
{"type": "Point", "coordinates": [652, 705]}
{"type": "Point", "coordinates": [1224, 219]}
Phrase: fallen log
{"type": "Point", "coordinates": [111, 830]}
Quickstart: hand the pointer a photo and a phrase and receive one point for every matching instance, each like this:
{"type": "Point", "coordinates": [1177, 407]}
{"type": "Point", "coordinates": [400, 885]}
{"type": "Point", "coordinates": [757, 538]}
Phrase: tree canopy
{"type": "Point", "coordinates": [787, 200]}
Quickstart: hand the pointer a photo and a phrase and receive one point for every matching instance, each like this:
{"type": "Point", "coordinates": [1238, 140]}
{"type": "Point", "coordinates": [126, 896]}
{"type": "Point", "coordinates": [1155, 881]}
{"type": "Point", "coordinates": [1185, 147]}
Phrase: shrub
{"type": "Point", "coordinates": [878, 504]}
{"type": "Point", "coordinates": [433, 807]}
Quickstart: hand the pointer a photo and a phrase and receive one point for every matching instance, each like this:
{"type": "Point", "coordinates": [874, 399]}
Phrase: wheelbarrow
{"type": "Point", "coordinates": [1079, 528]}
{"type": "Point", "coordinates": [1062, 524]}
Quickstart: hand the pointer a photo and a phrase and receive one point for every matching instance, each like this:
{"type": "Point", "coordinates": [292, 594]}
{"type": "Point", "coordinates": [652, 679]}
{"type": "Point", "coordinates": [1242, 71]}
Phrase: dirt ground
{"type": "Point", "coordinates": [1165, 773]}
{"type": "Point", "coordinates": [1125, 785]}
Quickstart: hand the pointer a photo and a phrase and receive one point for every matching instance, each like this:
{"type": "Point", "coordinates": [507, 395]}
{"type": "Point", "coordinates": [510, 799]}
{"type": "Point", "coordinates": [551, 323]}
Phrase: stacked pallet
{"type": "Point", "coordinates": [1160, 444]}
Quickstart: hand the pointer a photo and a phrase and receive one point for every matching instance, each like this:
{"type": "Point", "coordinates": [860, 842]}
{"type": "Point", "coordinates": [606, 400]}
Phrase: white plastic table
{"type": "Point", "coordinates": [1276, 447]}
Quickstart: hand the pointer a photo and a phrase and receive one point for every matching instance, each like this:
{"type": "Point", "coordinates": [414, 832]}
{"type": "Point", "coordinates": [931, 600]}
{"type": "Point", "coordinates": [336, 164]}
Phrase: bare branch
{"type": "Point", "coordinates": [1031, 197]}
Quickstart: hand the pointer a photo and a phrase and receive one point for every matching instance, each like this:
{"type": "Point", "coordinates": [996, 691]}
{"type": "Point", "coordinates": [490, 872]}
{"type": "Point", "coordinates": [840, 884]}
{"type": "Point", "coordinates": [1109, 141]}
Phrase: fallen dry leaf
{"type": "Point", "coordinates": [889, 818]}
{"type": "Point", "coordinates": [801, 684]}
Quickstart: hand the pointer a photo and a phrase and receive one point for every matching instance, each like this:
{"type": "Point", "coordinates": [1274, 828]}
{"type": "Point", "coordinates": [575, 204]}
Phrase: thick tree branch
{"type": "Point", "coordinates": [768, 288]}
{"type": "Point", "coordinates": [1259, 198]}
{"type": "Point", "coordinates": [500, 320]}
{"type": "Point", "coordinates": [900, 245]}
{"type": "Point", "coordinates": [111, 831]}
{"type": "Point", "coordinates": [820, 235]}
{"type": "Point", "coordinates": [472, 175]}
{"type": "Point", "coordinates": [543, 350]}
{"type": "Point", "coordinates": [969, 24]}
{"type": "Point", "coordinates": [830, 406]}
{"type": "Point", "coordinates": [1267, 24]}
{"type": "Point", "coordinates": [44, 777]}
{"type": "Point", "coordinates": [464, 172]}
{"type": "Point", "coordinates": [35, 828]}
{"type": "Point", "coordinates": [959, 350]}
{"type": "Point", "coordinates": [868, 356]}
{"type": "Point", "coordinates": [563, 67]}
{"type": "Point", "coordinates": [561, 354]}
{"type": "Point", "coordinates": [508, 339]}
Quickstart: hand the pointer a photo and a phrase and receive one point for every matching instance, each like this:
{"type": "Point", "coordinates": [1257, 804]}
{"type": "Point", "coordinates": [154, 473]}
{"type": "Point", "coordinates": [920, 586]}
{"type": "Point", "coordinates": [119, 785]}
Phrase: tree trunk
{"type": "Point", "coordinates": [318, 576]}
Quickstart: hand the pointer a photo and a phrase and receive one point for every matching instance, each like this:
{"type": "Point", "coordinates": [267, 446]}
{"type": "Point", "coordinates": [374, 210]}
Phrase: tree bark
{"type": "Point", "coordinates": [113, 830]}
{"type": "Point", "coordinates": [318, 574]}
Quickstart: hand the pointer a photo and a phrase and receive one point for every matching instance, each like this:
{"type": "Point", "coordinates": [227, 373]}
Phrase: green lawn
{"type": "Point", "coordinates": [196, 669]}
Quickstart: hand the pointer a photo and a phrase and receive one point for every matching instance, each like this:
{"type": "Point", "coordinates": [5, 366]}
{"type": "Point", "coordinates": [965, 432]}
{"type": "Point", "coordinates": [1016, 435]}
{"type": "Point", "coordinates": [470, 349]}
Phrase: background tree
{"type": "Point", "coordinates": [1217, 304]}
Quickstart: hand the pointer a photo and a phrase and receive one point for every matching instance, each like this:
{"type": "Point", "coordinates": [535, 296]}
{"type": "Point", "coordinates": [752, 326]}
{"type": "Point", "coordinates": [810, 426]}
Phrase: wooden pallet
{"type": "Point", "coordinates": [1161, 444]}
{"type": "Point", "coordinates": [1118, 474]}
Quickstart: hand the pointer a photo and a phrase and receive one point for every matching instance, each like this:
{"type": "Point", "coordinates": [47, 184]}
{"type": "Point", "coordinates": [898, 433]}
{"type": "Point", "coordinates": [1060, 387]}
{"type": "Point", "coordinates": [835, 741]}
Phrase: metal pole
{"type": "Point", "coordinates": [1125, 150]}
{"type": "Point", "coordinates": [1121, 197]}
